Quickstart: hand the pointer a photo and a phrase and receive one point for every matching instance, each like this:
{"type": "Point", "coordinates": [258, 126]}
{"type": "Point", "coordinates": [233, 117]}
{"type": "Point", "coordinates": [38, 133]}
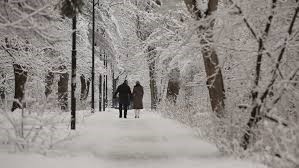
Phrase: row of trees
{"type": "Point", "coordinates": [35, 51]}
{"type": "Point", "coordinates": [245, 53]}
{"type": "Point", "coordinates": [35, 66]}
{"type": "Point", "coordinates": [241, 55]}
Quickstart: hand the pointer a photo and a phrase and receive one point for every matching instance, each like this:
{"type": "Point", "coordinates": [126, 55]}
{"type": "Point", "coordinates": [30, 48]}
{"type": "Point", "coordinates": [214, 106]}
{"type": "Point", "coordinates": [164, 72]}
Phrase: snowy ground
{"type": "Point", "coordinates": [106, 141]}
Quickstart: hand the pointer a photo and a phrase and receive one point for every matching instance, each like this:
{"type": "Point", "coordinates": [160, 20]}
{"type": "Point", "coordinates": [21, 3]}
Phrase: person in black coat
{"type": "Point", "coordinates": [124, 98]}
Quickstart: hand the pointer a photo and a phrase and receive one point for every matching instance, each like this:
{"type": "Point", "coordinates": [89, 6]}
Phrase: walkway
{"type": "Point", "coordinates": [148, 142]}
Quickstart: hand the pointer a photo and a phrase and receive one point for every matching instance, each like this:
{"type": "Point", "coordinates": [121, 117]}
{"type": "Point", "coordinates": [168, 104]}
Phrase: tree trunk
{"type": "Point", "coordinates": [153, 88]}
{"type": "Point", "coordinates": [187, 90]}
{"type": "Point", "coordinates": [142, 35]}
{"type": "Point", "coordinates": [214, 81]}
{"type": "Point", "coordinates": [2, 88]}
{"type": "Point", "coordinates": [173, 86]}
{"type": "Point", "coordinates": [20, 80]}
{"type": "Point", "coordinates": [83, 87]}
{"type": "Point", "coordinates": [214, 75]}
{"type": "Point", "coordinates": [49, 82]}
{"type": "Point", "coordinates": [63, 90]}
{"type": "Point", "coordinates": [87, 88]}
{"type": "Point", "coordinates": [114, 83]}
{"type": "Point", "coordinates": [193, 9]}
{"type": "Point", "coordinates": [152, 74]}
{"type": "Point", "coordinates": [106, 91]}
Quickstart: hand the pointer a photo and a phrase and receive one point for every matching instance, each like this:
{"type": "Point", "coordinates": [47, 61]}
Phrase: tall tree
{"type": "Point", "coordinates": [20, 71]}
{"type": "Point", "coordinates": [213, 70]}
{"type": "Point", "coordinates": [49, 82]}
{"type": "Point", "coordinates": [20, 81]}
{"type": "Point", "coordinates": [152, 74]}
{"type": "Point", "coordinates": [83, 87]}
{"type": "Point", "coordinates": [143, 31]}
{"type": "Point", "coordinates": [259, 97]}
{"type": "Point", "coordinates": [63, 88]}
{"type": "Point", "coordinates": [173, 86]}
{"type": "Point", "coordinates": [2, 86]}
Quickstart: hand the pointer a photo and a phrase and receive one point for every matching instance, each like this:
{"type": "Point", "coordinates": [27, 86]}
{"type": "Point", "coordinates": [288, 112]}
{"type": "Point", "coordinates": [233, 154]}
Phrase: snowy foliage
{"type": "Point", "coordinates": [159, 42]}
{"type": "Point", "coordinates": [240, 28]}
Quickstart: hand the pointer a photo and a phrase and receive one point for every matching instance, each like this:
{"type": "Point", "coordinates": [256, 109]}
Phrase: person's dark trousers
{"type": "Point", "coordinates": [121, 107]}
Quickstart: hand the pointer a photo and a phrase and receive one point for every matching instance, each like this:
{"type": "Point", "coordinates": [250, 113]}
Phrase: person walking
{"type": "Point", "coordinates": [137, 99]}
{"type": "Point", "coordinates": [124, 98]}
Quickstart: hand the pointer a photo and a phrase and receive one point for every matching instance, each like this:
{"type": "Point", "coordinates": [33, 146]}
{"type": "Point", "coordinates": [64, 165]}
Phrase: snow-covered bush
{"type": "Point", "coordinates": [256, 42]}
{"type": "Point", "coordinates": [34, 131]}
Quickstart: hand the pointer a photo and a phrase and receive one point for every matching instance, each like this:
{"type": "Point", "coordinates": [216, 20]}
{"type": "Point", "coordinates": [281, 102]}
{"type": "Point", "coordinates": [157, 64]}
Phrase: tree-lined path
{"type": "Point", "coordinates": [104, 140]}
{"type": "Point", "coordinates": [227, 66]}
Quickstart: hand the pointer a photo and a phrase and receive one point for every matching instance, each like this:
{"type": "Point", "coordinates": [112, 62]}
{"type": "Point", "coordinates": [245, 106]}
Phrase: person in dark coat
{"type": "Point", "coordinates": [124, 98]}
{"type": "Point", "coordinates": [137, 99]}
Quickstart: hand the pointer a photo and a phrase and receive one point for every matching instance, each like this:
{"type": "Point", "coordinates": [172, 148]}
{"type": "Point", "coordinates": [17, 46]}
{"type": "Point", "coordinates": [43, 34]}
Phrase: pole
{"type": "Point", "coordinates": [106, 86]}
{"type": "Point", "coordinates": [104, 94]}
{"type": "Point", "coordinates": [92, 66]}
{"type": "Point", "coordinates": [100, 93]}
{"type": "Point", "coordinates": [104, 82]}
{"type": "Point", "coordinates": [73, 81]}
{"type": "Point", "coordinates": [100, 87]}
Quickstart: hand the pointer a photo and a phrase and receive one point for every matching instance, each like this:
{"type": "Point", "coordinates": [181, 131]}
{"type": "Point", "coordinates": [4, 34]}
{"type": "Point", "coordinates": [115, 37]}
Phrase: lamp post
{"type": "Point", "coordinates": [73, 80]}
{"type": "Point", "coordinates": [100, 92]}
{"type": "Point", "coordinates": [104, 83]}
{"type": "Point", "coordinates": [92, 61]}
{"type": "Point", "coordinates": [100, 87]}
{"type": "Point", "coordinates": [106, 86]}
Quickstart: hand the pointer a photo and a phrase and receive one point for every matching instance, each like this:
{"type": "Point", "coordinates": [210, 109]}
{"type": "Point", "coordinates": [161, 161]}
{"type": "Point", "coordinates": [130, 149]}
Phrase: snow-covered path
{"type": "Point", "coordinates": [151, 141]}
